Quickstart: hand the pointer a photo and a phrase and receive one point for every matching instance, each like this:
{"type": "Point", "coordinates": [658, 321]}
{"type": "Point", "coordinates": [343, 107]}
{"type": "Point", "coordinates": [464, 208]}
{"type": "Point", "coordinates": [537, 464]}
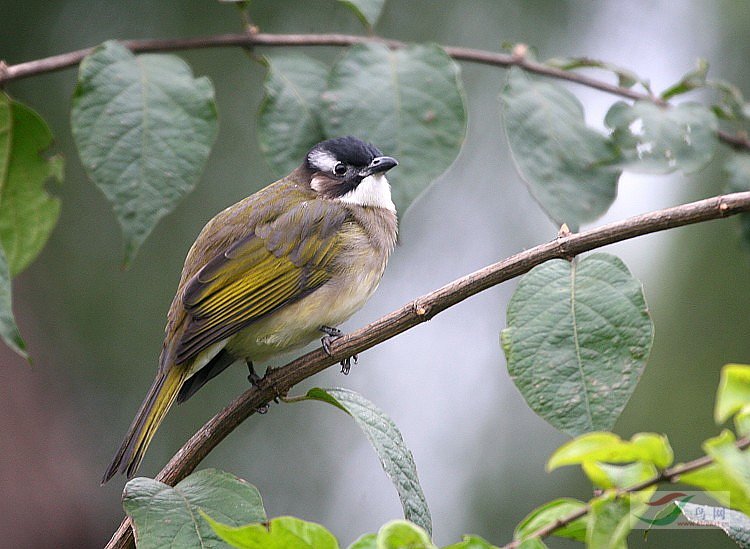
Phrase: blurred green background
{"type": "Point", "coordinates": [94, 331]}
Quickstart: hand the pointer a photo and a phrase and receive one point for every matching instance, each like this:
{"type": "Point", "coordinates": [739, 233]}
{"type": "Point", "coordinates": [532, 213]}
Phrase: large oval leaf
{"type": "Point", "coordinates": [577, 340]}
{"type": "Point", "coordinates": [407, 102]}
{"type": "Point", "coordinates": [170, 517]}
{"type": "Point", "coordinates": [562, 160]}
{"type": "Point", "coordinates": [289, 117]}
{"type": "Point", "coordinates": [659, 140]}
{"type": "Point", "coordinates": [144, 128]}
{"type": "Point", "coordinates": [385, 437]}
{"type": "Point", "coordinates": [27, 212]}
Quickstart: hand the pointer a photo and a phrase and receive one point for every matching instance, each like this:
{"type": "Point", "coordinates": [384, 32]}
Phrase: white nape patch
{"type": "Point", "coordinates": [323, 161]}
{"type": "Point", "coordinates": [374, 190]}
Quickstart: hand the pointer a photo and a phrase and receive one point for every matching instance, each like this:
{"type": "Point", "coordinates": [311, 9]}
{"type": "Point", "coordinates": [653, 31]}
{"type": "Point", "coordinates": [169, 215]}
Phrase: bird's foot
{"type": "Point", "coordinates": [346, 364]}
{"type": "Point", "coordinates": [252, 376]}
{"type": "Point", "coordinates": [256, 381]}
{"type": "Point", "coordinates": [332, 334]}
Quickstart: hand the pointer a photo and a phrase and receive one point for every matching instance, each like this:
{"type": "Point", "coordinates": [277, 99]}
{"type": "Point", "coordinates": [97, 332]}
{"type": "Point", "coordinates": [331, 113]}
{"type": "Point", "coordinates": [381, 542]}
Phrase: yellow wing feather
{"type": "Point", "coordinates": [280, 261]}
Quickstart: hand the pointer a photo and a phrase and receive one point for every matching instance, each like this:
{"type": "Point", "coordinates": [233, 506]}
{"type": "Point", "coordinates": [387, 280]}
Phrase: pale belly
{"type": "Point", "coordinates": [299, 323]}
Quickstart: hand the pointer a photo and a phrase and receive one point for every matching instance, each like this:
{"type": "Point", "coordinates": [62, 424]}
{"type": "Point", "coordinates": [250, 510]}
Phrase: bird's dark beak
{"type": "Point", "coordinates": [379, 164]}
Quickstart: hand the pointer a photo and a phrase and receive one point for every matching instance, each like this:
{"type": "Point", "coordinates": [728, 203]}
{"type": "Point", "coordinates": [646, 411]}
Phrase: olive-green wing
{"type": "Point", "coordinates": [280, 262]}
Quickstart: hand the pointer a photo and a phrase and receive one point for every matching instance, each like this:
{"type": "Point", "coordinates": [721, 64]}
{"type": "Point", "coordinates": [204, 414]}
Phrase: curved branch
{"type": "Point", "coordinates": [250, 39]}
{"type": "Point", "coordinates": [668, 475]}
{"type": "Point", "coordinates": [278, 381]}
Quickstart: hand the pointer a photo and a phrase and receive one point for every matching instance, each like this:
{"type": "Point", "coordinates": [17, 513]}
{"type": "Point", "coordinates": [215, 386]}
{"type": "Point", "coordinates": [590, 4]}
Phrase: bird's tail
{"type": "Point", "coordinates": [159, 399]}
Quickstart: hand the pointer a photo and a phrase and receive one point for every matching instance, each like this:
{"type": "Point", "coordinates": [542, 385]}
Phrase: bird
{"type": "Point", "coordinates": [270, 274]}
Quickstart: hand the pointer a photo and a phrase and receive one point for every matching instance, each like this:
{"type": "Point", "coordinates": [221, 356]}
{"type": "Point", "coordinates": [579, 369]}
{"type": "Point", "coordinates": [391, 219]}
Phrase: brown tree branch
{"type": "Point", "coordinates": [249, 39]}
{"type": "Point", "coordinates": [279, 381]}
{"type": "Point", "coordinates": [668, 475]}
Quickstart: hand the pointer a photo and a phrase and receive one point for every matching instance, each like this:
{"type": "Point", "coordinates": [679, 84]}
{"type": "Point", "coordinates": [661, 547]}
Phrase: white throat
{"type": "Point", "coordinates": [374, 190]}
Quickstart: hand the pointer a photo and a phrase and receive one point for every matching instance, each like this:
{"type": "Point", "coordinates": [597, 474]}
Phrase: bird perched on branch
{"type": "Point", "coordinates": [270, 273]}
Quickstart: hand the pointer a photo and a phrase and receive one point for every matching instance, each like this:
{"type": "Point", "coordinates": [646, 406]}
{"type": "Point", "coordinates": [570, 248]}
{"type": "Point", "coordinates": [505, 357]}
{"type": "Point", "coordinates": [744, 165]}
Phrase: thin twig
{"type": "Point", "coordinates": [668, 475]}
{"type": "Point", "coordinates": [279, 381]}
{"type": "Point", "coordinates": [250, 39]}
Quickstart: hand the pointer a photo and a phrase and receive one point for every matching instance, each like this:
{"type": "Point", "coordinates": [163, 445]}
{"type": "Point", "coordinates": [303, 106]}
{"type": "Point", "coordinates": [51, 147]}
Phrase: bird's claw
{"type": "Point", "coordinates": [256, 381]}
{"type": "Point", "coordinates": [346, 364]}
{"type": "Point", "coordinates": [332, 334]}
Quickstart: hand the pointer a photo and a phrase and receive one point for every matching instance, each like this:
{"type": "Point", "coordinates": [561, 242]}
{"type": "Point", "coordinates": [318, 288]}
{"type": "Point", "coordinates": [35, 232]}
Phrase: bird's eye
{"type": "Point", "coordinates": [339, 169]}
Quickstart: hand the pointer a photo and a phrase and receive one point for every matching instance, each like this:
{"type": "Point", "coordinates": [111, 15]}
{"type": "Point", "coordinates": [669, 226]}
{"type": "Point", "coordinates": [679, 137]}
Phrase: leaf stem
{"type": "Point", "coordinates": [278, 381]}
{"type": "Point", "coordinates": [251, 38]}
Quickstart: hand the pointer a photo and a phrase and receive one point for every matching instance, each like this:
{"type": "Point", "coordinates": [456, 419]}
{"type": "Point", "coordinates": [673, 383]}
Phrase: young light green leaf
{"type": "Point", "coordinates": [289, 116]}
{"type": "Point", "coordinates": [385, 437]}
{"type": "Point", "coordinates": [734, 391]}
{"type": "Point", "coordinates": [610, 521]}
{"type": "Point", "coordinates": [727, 480]}
{"type": "Point", "coordinates": [577, 340]}
{"type": "Point", "coordinates": [562, 160]}
{"type": "Point", "coordinates": [608, 447]}
{"type": "Point", "coordinates": [279, 533]}
{"type": "Point", "coordinates": [550, 513]}
{"type": "Point", "coordinates": [144, 127]}
{"type": "Point", "coordinates": [738, 171]}
{"type": "Point", "coordinates": [610, 475]}
{"type": "Point", "coordinates": [8, 329]}
{"type": "Point", "coordinates": [734, 524]}
{"type": "Point", "coordinates": [367, 541]}
{"type": "Point", "coordinates": [472, 542]}
{"type": "Point", "coordinates": [398, 534]}
{"type": "Point", "coordinates": [169, 517]}
{"type": "Point", "coordinates": [659, 140]}
{"type": "Point", "coordinates": [368, 11]}
{"type": "Point", "coordinates": [408, 102]}
{"type": "Point", "coordinates": [27, 212]}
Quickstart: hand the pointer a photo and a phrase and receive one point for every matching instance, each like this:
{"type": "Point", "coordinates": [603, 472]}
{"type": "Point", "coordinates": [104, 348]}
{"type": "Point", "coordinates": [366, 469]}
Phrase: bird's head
{"type": "Point", "coordinates": [350, 170]}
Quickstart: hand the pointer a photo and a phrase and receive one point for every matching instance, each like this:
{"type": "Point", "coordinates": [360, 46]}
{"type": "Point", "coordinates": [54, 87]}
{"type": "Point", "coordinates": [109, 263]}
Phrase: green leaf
{"type": "Point", "coordinates": [694, 79]}
{"type": "Point", "coordinates": [472, 542]}
{"type": "Point", "coordinates": [608, 447]}
{"type": "Point", "coordinates": [27, 212]}
{"type": "Point", "coordinates": [368, 11]}
{"type": "Point", "coordinates": [732, 104]}
{"type": "Point", "coordinates": [367, 541]}
{"type": "Point", "coordinates": [279, 533]}
{"type": "Point", "coordinates": [727, 480]}
{"type": "Point", "coordinates": [577, 340]}
{"type": "Point", "coordinates": [734, 524]}
{"type": "Point", "coordinates": [550, 513]}
{"type": "Point", "coordinates": [385, 437]}
{"type": "Point", "coordinates": [610, 521]}
{"type": "Point", "coordinates": [289, 116]}
{"type": "Point", "coordinates": [144, 128]}
{"type": "Point", "coordinates": [660, 140]}
{"type": "Point", "coordinates": [8, 329]}
{"type": "Point", "coordinates": [168, 517]}
{"type": "Point", "coordinates": [609, 475]}
{"type": "Point", "coordinates": [560, 158]}
{"type": "Point", "coordinates": [399, 534]}
{"type": "Point", "coordinates": [408, 102]}
{"type": "Point", "coordinates": [738, 171]}
{"type": "Point", "coordinates": [734, 391]}
{"type": "Point", "coordinates": [625, 78]}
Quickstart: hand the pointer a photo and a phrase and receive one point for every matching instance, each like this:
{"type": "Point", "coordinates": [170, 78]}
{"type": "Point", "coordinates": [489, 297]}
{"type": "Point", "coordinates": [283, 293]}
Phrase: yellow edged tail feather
{"type": "Point", "coordinates": [159, 399]}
